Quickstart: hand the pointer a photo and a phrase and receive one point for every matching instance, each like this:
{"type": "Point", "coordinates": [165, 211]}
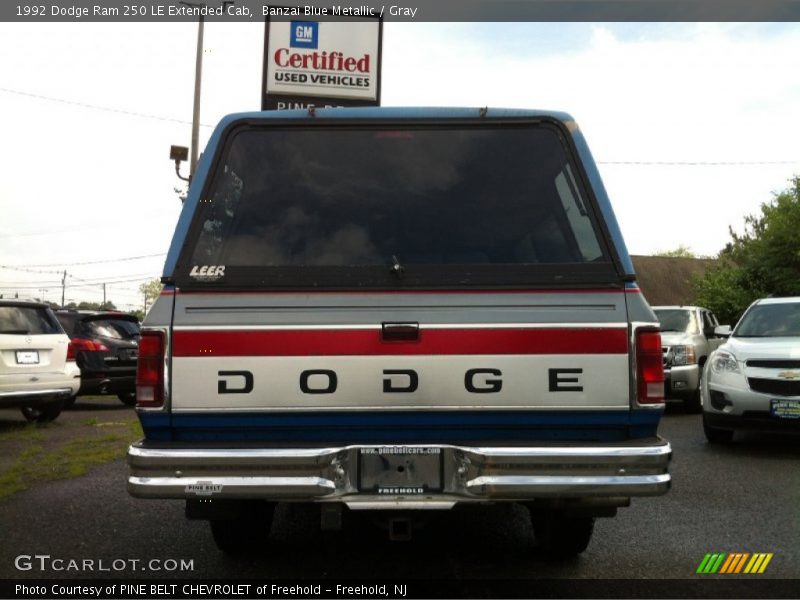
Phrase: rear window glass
{"type": "Point", "coordinates": [335, 198]}
{"type": "Point", "coordinates": [112, 328]}
{"type": "Point", "coordinates": [27, 320]}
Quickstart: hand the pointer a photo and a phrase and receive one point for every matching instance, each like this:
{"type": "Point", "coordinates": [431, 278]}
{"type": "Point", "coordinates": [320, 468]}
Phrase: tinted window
{"type": "Point", "coordinates": [67, 321]}
{"type": "Point", "coordinates": [361, 198]}
{"type": "Point", "coordinates": [27, 320]}
{"type": "Point", "coordinates": [112, 328]}
{"type": "Point", "coordinates": [770, 320]}
{"type": "Point", "coordinates": [676, 320]}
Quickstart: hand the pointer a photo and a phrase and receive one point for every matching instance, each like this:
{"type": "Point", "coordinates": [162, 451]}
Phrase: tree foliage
{"type": "Point", "coordinates": [93, 305]}
{"type": "Point", "coordinates": [762, 261]}
{"type": "Point", "coordinates": [150, 290]}
{"type": "Point", "coordinates": [681, 251]}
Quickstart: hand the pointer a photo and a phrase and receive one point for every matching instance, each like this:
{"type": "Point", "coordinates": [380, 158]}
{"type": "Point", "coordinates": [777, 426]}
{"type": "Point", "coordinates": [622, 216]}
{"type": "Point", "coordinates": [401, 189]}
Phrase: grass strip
{"type": "Point", "coordinates": [72, 458]}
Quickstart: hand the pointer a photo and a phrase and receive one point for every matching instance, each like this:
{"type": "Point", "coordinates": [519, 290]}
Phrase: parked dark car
{"type": "Point", "coordinates": [105, 345]}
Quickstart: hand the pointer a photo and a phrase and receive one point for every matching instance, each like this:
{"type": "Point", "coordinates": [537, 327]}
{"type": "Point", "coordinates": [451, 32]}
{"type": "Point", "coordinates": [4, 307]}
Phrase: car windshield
{"type": "Point", "coordinates": [770, 320]}
{"type": "Point", "coordinates": [114, 328]}
{"type": "Point", "coordinates": [27, 320]}
{"type": "Point", "coordinates": [677, 319]}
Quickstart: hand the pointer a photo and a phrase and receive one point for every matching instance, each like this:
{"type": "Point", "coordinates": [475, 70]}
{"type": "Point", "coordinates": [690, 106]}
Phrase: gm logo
{"type": "Point", "coordinates": [304, 34]}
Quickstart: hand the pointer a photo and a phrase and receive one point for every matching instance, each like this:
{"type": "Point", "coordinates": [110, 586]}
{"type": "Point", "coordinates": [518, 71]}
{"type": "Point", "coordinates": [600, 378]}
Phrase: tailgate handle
{"type": "Point", "coordinates": [400, 332]}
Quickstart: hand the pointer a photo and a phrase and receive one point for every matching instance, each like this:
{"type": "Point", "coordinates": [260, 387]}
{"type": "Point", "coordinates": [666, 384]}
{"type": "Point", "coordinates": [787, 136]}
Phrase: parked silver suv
{"type": "Point", "coordinates": [687, 339]}
{"type": "Point", "coordinates": [35, 372]}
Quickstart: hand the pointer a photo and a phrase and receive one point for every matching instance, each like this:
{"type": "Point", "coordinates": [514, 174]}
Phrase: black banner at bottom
{"type": "Point", "coordinates": [161, 589]}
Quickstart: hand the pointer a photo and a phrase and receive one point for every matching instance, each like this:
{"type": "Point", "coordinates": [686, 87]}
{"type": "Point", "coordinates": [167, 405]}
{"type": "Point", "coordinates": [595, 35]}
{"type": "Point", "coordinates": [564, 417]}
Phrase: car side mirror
{"type": "Point", "coordinates": [722, 331]}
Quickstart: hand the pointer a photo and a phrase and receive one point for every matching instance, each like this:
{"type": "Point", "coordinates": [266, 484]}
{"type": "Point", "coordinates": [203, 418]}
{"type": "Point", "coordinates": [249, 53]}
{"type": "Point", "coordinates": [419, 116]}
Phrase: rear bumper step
{"type": "Point", "coordinates": [418, 475]}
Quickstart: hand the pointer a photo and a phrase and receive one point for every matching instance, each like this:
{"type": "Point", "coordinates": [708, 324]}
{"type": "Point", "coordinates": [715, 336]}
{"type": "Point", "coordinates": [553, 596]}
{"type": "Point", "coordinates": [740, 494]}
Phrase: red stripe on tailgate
{"type": "Point", "coordinates": [355, 342]}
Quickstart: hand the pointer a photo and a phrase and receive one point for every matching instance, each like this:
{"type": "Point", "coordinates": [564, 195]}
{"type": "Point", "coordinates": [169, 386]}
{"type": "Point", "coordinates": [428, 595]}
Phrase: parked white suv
{"type": "Point", "coordinates": [753, 380]}
{"type": "Point", "coordinates": [35, 373]}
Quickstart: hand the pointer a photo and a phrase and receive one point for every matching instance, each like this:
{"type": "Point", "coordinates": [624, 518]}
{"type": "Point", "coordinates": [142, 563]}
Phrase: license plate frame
{"type": "Point", "coordinates": [400, 470]}
{"type": "Point", "coordinates": [784, 409]}
{"type": "Point", "coordinates": [27, 357]}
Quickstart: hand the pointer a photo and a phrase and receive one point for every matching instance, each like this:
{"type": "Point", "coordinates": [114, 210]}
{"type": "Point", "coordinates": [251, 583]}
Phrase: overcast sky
{"type": "Point", "coordinates": [89, 111]}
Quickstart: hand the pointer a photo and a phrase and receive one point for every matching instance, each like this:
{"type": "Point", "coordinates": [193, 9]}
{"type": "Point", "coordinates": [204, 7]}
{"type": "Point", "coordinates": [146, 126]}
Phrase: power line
{"type": "Point", "coordinates": [99, 283]}
{"type": "Point", "coordinates": [88, 262]}
{"type": "Point", "coordinates": [183, 122]}
{"type": "Point", "coordinates": [121, 111]}
{"type": "Point", "coordinates": [36, 233]}
{"type": "Point", "coordinates": [26, 270]}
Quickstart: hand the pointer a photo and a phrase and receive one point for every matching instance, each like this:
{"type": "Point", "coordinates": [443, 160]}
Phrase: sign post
{"type": "Point", "coordinates": [321, 63]}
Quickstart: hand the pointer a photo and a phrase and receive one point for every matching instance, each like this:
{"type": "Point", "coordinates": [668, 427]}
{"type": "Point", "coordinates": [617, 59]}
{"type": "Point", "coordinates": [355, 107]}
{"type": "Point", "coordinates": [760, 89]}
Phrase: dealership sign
{"type": "Point", "coordinates": [322, 63]}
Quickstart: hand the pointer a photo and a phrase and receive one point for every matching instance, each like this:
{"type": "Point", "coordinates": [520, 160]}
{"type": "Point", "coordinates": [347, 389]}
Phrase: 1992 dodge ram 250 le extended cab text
{"type": "Point", "coordinates": [394, 310]}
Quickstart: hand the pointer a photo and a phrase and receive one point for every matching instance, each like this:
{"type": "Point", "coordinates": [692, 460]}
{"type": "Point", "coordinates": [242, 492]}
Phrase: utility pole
{"type": "Point", "coordinates": [63, 286]}
{"type": "Point", "coordinates": [104, 294]}
{"type": "Point", "coordinates": [198, 73]}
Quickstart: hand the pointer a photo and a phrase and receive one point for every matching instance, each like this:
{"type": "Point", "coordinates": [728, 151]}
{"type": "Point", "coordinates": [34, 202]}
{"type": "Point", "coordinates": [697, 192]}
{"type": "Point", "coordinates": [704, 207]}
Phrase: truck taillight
{"type": "Point", "coordinates": [649, 367]}
{"type": "Point", "coordinates": [150, 370]}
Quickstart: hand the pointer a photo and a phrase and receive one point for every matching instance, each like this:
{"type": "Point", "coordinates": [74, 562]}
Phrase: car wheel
{"type": "Point", "coordinates": [561, 536]}
{"type": "Point", "coordinates": [248, 532]}
{"type": "Point", "coordinates": [69, 402]}
{"type": "Point", "coordinates": [44, 413]}
{"type": "Point", "coordinates": [715, 435]}
{"type": "Point", "coordinates": [128, 399]}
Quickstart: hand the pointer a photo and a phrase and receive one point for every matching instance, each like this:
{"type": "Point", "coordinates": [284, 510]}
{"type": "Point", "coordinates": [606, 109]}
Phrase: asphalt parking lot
{"type": "Point", "coordinates": [741, 498]}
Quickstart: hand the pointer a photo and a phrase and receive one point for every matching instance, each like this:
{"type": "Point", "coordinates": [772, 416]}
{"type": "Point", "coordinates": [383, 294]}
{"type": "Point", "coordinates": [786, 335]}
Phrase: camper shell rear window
{"type": "Point", "coordinates": [395, 205]}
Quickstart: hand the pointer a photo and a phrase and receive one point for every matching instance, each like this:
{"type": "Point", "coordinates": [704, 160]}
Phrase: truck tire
{"type": "Point", "coordinates": [693, 404]}
{"type": "Point", "coordinates": [246, 533]}
{"type": "Point", "coordinates": [561, 536]}
{"type": "Point", "coordinates": [715, 435]}
{"type": "Point", "coordinates": [128, 398]}
{"type": "Point", "coordinates": [44, 413]}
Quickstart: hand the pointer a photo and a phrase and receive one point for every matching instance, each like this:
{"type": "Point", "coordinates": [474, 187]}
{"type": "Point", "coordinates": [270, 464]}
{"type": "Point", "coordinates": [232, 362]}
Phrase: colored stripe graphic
{"type": "Point", "coordinates": [355, 342]}
{"type": "Point", "coordinates": [734, 563]}
{"type": "Point", "coordinates": [711, 563]}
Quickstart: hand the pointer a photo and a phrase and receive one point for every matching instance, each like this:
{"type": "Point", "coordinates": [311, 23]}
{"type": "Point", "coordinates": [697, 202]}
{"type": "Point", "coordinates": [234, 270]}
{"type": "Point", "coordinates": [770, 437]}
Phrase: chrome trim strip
{"type": "Point", "coordinates": [540, 452]}
{"type": "Point", "coordinates": [48, 392]}
{"type": "Point", "coordinates": [568, 486]}
{"type": "Point", "coordinates": [231, 487]}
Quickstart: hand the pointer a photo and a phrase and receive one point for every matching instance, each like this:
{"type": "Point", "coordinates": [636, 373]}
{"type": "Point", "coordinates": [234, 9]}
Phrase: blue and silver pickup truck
{"type": "Point", "coordinates": [398, 310]}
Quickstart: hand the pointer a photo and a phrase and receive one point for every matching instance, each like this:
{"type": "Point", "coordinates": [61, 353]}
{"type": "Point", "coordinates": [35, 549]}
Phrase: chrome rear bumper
{"type": "Point", "coordinates": [467, 474]}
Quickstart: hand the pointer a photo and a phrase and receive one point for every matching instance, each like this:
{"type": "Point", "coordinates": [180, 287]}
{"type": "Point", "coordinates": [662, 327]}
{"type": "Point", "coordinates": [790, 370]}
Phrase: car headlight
{"type": "Point", "coordinates": [683, 355]}
{"type": "Point", "coordinates": [724, 362]}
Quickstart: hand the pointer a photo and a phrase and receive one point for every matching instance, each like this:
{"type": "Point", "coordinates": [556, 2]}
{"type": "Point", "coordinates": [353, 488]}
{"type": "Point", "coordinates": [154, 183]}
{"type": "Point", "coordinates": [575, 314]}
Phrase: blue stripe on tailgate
{"type": "Point", "coordinates": [402, 427]}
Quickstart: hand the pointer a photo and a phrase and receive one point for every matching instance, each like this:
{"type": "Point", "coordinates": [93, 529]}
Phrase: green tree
{"type": "Point", "coordinates": [762, 261]}
{"type": "Point", "coordinates": [150, 290]}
